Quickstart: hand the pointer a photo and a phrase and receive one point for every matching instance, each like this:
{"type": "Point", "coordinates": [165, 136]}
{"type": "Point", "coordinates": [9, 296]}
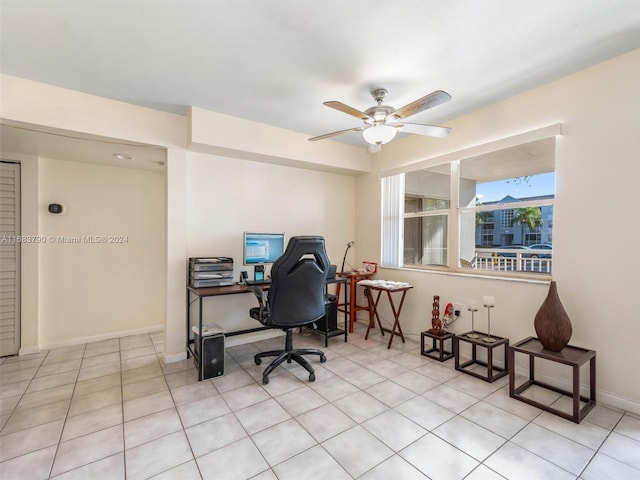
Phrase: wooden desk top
{"type": "Point", "coordinates": [356, 275]}
{"type": "Point", "coordinates": [239, 288]}
{"type": "Point", "coordinates": [226, 290]}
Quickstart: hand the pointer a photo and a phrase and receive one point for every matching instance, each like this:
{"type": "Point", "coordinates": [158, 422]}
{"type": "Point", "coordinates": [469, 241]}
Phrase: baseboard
{"type": "Point", "coordinates": [251, 337]}
{"type": "Point", "coordinates": [233, 341]}
{"type": "Point", "coordinates": [602, 397]}
{"type": "Point", "coordinates": [620, 403]}
{"type": "Point", "coordinates": [28, 351]}
{"type": "Point", "coordinates": [99, 338]}
{"type": "Point", "coordinates": [176, 357]}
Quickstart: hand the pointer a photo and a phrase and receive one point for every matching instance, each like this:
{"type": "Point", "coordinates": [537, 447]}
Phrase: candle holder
{"type": "Point", "coordinates": [473, 333]}
{"type": "Point", "coordinates": [489, 338]}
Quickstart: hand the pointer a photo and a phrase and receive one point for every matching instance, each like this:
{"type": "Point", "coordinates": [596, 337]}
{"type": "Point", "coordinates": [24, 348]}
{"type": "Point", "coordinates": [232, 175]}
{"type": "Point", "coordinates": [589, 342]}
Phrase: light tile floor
{"type": "Point", "coordinates": [113, 410]}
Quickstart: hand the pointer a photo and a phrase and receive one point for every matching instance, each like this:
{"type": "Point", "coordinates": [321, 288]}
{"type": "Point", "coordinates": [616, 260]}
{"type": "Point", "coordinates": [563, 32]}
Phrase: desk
{"type": "Point", "coordinates": [235, 289]}
{"type": "Point", "coordinates": [201, 293]}
{"type": "Point", "coordinates": [350, 304]}
{"type": "Point", "coordinates": [373, 309]}
{"type": "Point", "coordinates": [574, 357]}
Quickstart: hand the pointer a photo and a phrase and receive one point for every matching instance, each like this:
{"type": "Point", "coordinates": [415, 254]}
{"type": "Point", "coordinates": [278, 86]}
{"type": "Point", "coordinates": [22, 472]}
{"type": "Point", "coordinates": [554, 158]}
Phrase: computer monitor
{"type": "Point", "coordinates": [262, 247]}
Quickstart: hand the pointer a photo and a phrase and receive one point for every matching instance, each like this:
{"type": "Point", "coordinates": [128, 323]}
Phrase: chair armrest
{"type": "Point", "coordinates": [261, 314]}
{"type": "Point", "coordinates": [260, 294]}
{"type": "Point", "coordinates": [257, 291]}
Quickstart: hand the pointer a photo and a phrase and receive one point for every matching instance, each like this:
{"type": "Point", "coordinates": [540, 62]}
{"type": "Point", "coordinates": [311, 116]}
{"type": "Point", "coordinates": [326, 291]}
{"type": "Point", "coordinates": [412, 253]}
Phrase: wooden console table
{"type": "Point", "coordinates": [574, 357]}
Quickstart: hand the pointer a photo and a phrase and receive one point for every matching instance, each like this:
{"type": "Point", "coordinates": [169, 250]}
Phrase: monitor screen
{"type": "Point", "coordinates": [262, 247]}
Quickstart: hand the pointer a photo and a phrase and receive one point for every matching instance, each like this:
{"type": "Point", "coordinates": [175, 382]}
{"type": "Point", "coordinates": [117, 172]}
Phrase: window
{"type": "Point", "coordinates": [427, 201]}
{"type": "Point", "coordinates": [480, 212]}
{"type": "Point", "coordinates": [506, 217]}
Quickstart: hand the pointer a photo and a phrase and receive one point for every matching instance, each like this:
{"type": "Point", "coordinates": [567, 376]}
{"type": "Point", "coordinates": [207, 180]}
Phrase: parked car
{"type": "Point", "coordinates": [511, 247]}
{"type": "Point", "coordinates": [540, 246]}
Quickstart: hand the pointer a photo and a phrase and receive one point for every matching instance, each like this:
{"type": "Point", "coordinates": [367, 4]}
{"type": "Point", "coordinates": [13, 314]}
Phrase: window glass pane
{"type": "Point", "coordinates": [522, 173]}
{"type": "Point", "coordinates": [427, 190]}
{"type": "Point", "coordinates": [425, 240]}
{"type": "Point", "coordinates": [523, 245]}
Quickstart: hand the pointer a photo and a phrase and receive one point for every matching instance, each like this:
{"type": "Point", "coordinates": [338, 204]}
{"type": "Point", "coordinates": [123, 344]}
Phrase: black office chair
{"type": "Point", "coordinates": [295, 298]}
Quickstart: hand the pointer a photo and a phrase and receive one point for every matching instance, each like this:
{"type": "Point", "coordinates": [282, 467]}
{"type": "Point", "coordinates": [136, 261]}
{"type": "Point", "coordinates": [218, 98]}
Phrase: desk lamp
{"type": "Point", "coordinates": [349, 245]}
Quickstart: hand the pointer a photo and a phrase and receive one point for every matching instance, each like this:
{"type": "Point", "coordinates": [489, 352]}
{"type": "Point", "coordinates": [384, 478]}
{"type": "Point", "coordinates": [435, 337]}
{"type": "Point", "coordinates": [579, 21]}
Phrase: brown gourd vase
{"type": "Point", "coordinates": [552, 323]}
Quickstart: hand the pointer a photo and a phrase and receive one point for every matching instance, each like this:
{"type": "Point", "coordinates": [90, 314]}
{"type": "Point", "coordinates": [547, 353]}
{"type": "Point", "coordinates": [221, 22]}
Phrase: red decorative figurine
{"type": "Point", "coordinates": [436, 323]}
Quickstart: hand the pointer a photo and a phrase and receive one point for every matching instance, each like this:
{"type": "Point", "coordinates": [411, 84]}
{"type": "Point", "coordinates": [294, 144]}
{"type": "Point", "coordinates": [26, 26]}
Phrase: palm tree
{"type": "Point", "coordinates": [482, 217]}
{"type": "Point", "coordinates": [531, 216]}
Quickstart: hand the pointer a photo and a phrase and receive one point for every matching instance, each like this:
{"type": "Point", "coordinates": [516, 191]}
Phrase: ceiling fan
{"type": "Point", "coordinates": [382, 121]}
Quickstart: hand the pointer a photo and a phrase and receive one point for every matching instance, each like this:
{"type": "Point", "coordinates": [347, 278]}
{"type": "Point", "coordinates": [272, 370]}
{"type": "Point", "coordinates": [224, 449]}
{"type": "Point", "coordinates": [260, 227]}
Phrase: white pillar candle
{"type": "Point", "coordinates": [473, 305]}
{"type": "Point", "coordinates": [488, 301]}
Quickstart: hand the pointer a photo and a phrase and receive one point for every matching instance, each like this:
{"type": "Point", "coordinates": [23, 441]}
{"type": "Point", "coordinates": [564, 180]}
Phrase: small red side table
{"type": "Point", "coordinates": [353, 307]}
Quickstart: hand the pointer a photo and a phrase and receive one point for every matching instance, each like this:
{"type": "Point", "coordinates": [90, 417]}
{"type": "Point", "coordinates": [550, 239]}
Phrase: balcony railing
{"type": "Point", "coordinates": [513, 260]}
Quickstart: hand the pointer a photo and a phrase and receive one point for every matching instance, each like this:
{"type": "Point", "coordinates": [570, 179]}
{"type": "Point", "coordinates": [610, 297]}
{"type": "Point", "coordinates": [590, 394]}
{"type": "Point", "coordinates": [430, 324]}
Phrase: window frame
{"type": "Point", "coordinates": [455, 212]}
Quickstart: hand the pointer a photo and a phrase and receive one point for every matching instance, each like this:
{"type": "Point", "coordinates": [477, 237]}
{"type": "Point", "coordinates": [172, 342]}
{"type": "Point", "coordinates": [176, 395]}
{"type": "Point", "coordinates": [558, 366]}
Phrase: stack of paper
{"type": "Point", "coordinates": [387, 284]}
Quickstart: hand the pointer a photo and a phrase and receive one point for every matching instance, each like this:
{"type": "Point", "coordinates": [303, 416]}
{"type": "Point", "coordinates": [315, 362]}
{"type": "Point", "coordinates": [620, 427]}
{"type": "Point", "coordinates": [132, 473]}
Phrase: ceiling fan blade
{"type": "Point", "coordinates": [333, 134]}
{"type": "Point", "coordinates": [428, 130]}
{"type": "Point", "coordinates": [347, 109]}
{"type": "Point", "coordinates": [428, 101]}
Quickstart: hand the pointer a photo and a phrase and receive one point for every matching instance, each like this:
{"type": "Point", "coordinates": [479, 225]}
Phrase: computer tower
{"type": "Point", "coordinates": [330, 318]}
{"type": "Point", "coordinates": [210, 349]}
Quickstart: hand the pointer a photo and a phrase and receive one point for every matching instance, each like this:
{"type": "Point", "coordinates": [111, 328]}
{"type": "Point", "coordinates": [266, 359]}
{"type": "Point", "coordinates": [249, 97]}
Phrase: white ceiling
{"type": "Point", "coordinates": [276, 61]}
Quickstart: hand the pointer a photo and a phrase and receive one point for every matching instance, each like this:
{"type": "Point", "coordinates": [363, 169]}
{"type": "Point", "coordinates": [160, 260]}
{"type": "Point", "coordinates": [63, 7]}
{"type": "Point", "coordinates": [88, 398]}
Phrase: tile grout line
{"type": "Point", "coordinates": [75, 384]}
{"type": "Point", "coordinates": [243, 367]}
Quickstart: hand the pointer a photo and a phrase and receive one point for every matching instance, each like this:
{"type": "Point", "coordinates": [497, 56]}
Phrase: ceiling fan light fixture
{"type": "Point", "coordinates": [382, 121]}
{"type": "Point", "coordinates": [379, 134]}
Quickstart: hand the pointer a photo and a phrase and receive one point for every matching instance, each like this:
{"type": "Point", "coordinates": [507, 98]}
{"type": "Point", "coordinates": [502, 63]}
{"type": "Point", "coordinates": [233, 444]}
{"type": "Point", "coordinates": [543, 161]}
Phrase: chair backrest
{"type": "Point", "coordinates": [296, 293]}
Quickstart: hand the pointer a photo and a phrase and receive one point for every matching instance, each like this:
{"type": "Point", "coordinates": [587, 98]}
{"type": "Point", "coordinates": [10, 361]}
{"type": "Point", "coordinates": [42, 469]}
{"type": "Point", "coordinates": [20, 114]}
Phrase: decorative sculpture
{"type": "Point", "coordinates": [552, 322]}
{"type": "Point", "coordinates": [436, 323]}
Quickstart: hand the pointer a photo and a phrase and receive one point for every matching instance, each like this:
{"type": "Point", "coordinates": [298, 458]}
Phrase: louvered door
{"type": "Point", "coordinates": [9, 258]}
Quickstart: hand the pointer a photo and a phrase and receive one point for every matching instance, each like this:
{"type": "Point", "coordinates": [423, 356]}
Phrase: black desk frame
{"type": "Point", "coordinates": [338, 331]}
{"type": "Point", "coordinates": [238, 288]}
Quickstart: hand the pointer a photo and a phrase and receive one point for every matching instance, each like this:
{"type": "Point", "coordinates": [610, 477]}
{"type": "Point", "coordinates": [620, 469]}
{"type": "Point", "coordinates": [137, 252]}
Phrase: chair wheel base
{"type": "Point", "coordinates": [288, 355]}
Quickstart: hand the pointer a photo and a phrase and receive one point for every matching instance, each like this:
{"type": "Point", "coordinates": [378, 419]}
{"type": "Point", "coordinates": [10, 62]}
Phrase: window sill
{"type": "Point", "coordinates": [540, 278]}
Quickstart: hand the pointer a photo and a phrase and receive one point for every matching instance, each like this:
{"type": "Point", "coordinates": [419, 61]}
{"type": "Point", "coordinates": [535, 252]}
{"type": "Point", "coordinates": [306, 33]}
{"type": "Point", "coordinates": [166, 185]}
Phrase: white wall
{"type": "Point", "coordinates": [89, 290]}
{"type": "Point", "coordinates": [595, 258]}
{"type": "Point", "coordinates": [226, 197]}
